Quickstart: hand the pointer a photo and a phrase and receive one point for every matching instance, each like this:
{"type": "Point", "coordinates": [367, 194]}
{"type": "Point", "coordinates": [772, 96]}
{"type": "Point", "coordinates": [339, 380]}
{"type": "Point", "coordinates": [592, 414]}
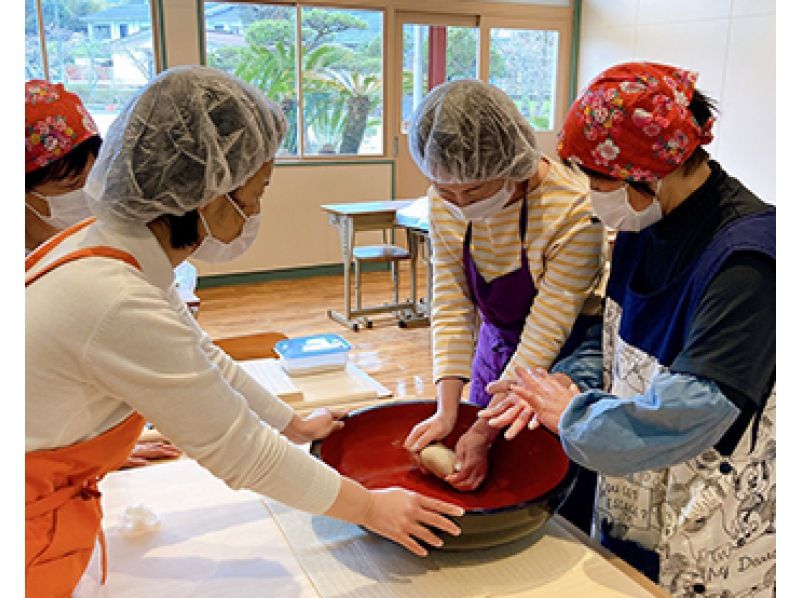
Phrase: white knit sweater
{"type": "Point", "coordinates": [103, 339]}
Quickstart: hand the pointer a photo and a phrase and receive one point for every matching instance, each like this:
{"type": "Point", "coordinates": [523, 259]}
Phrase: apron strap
{"type": "Point", "coordinates": [523, 223]}
{"type": "Point", "coordinates": [101, 251]}
{"type": "Point", "coordinates": [101, 536]}
{"type": "Point", "coordinates": [86, 491]}
{"type": "Point", "coordinates": [51, 502]}
{"type": "Point", "coordinates": [37, 254]}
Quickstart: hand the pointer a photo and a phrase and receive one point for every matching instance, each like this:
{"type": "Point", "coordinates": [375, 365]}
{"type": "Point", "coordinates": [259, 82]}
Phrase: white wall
{"type": "Point", "coordinates": [731, 43]}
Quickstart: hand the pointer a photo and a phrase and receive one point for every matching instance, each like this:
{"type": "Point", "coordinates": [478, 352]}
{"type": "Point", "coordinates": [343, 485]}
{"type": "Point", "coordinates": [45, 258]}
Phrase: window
{"type": "Point", "coordinates": [334, 104]}
{"type": "Point", "coordinates": [101, 32]}
{"type": "Point", "coordinates": [102, 51]}
{"type": "Point", "coordinates": [527, 71]}
{"type": "Point", "coordinates": [433, 54]}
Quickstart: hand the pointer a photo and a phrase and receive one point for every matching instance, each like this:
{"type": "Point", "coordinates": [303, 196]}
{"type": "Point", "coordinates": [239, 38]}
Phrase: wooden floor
{"type": "Point", "coordinates": [398, 358]}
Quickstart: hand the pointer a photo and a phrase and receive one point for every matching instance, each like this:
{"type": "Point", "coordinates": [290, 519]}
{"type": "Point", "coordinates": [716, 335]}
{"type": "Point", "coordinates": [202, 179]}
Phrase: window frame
{"type": "Point", "coordinates": [501, 13]}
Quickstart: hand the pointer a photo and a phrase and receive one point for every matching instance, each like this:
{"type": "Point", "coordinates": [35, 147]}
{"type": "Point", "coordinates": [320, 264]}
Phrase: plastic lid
{"type": "Point", "coordinates": [311, 346]}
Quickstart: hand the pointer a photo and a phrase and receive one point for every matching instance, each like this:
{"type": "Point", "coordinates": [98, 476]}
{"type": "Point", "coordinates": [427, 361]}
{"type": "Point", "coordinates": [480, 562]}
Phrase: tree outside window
{"type": "Point", "coordinates": [528, 72]}
{"type": "Point", "coordinates": [341, 82]}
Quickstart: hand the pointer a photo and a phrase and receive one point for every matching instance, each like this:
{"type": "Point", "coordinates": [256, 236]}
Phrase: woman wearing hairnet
{"type": "Point", "coordinates": [110, 344]}
{"type": "Point", "coordinates": [683, 432]}
{"type": "Point", "coordinates": [61, 144]}
{"type": "Point", "coordinates": [514, 240]}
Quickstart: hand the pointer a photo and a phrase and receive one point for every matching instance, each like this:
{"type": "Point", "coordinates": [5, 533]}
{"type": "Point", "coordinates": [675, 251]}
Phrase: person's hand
{"type": "Point", "coordinates": [472, 459]}
{"type": "Point", "coordinates": [319, 424]}
{"type": "Point", "coordinates": [539, 397]}
{"type": "Point", "coordinates": [511, 412]}
{"type": "Point", "coordinates": [505, 409]}
{"type": "Point", "coordinates": [436, 427]}
{"type": "Point", "coordinates": [146, 452]}
{"type": "Point", "coordinates": [499, 389]}
{"type": "Point", "coordinates": [406, 517]}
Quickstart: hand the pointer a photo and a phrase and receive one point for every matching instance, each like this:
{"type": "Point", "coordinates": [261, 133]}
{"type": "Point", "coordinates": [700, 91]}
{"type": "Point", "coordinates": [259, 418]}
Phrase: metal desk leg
{"type": "Point", "coordinates": [416, 317]}
{"type": "Point", "coordinates": [413, 249]}
{"type": "Point", "coordinates": [429, 273]}
{"type": "Point", "coordinates": [344, 225]}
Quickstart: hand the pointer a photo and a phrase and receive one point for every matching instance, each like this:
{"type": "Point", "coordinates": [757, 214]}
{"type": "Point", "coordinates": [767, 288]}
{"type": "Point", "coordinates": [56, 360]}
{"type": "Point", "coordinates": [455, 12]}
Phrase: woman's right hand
{"type": "Point", "coordinates": [436, 427]}
{"type": "Point", "coordinates": [405, 517]}
{"type": "Point", "coordinates": [146, 452]}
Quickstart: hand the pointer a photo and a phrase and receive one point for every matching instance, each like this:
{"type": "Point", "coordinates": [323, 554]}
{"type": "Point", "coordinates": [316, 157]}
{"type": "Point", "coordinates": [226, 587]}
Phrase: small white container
{"type": "Point", "coordinates": [313, 354]}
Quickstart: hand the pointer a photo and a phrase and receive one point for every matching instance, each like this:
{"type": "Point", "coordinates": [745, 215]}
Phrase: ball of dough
{"type": "Point", "coordinates": [438, 459]}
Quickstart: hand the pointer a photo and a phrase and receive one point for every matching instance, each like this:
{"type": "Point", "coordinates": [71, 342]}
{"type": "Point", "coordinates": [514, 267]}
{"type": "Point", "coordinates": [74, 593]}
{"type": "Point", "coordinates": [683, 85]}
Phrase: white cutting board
{"type": "Point", "coordinates": [336, 387]}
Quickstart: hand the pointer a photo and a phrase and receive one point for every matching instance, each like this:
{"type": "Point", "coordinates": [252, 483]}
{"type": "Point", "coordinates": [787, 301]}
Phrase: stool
{"type": "Point", "coordinates": [386, 253]}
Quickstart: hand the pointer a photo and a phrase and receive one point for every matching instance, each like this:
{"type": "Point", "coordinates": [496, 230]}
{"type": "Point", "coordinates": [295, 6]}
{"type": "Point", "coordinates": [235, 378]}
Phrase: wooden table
{"type": "Point", "coordinates": [350, 218]}
{"type": "Point", "coordinates": [212, 541]}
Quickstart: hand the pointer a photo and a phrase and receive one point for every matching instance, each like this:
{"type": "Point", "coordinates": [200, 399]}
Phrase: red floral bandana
{"type": "Point", "coordinates": [632, 122]}
{"type": "Point", "coordinates": [55, 122]}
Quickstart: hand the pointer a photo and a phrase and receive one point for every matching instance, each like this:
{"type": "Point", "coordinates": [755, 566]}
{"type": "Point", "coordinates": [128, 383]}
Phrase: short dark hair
{"type": "Point", "coordinates": [640, 186]}
{"type": "Point", "coordinates": [702, 108]}
{"type": "Point", "coordinates": [70, 166]}
{"type": "Point", "coordinates": [182, 229]}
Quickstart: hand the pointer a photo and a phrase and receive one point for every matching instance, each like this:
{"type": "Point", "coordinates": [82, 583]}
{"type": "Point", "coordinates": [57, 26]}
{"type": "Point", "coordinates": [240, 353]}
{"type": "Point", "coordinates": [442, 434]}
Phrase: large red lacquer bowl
{"type": "Point", "coordinates": [528, 479]}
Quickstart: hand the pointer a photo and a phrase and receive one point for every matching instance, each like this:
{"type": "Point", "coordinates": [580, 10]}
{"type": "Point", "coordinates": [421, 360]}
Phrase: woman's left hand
{"type": "Point", "coordinates": [315, 426]}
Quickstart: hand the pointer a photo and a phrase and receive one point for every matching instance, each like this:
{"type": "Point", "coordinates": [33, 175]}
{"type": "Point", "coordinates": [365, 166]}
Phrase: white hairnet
{"type": "Point", "coordinates": [192, 134]}
{"type": "Point", "coordinates": [468, 131]}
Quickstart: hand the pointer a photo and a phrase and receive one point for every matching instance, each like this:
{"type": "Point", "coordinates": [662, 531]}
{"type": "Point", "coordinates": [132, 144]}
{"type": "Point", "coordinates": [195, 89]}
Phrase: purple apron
{"type": "Point", "coordinates": [504, 304]}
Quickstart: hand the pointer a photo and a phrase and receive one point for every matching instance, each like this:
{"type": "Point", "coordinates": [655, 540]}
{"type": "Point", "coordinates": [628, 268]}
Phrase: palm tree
{"type": "Point", "coordinates": [361, 94]}
{"type": "Point", "coordinates": [272, 69]}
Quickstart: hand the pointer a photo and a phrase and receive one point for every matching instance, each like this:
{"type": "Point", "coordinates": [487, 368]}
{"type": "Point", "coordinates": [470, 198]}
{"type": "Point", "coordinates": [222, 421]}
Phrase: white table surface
{"type": "Point", "coordinates": [212, 541]}
{"type": "Point", "coordinates": [216, 542]}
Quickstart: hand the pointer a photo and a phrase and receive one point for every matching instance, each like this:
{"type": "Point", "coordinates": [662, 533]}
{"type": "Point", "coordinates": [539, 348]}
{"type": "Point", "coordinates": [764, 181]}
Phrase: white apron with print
{"type": "Point", "coordinates": [711, 519]}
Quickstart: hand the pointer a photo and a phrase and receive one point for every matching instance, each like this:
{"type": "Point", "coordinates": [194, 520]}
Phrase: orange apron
{"type": "Point", "coordinates": [62, 503]}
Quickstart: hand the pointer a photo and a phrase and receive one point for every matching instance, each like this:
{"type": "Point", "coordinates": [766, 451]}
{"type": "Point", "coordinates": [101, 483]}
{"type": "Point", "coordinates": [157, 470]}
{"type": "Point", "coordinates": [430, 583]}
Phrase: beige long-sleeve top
{"type": "Point", "coordinates": [103, 339]}
{"type": "Point", "coordinates": [566, 250]}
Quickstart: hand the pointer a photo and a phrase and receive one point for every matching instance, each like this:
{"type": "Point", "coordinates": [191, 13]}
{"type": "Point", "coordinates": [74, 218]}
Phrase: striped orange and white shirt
{"type": "Point", "coordinates": [566, 250]}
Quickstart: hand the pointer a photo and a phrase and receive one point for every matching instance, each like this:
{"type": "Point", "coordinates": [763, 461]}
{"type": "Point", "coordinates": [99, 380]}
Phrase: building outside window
{"type": "Point", "coordinates": [101, 50]}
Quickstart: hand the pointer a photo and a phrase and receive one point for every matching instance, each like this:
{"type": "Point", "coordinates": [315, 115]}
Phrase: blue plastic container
{"type": "Point", "coordinates": [313, 354]}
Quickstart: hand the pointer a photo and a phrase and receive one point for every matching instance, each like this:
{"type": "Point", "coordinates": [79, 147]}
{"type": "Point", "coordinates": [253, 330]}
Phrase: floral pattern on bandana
{"type": "Point", "coordinates": [633, 122]}
{"type": "Point", "coordinates": [55, 122]}
{"type": "Point", "coordinates": [36, 94]}
{"type": "Point", "coordinates": [53, 134]}
{"type": "Point", "coordinates": [601, 112]}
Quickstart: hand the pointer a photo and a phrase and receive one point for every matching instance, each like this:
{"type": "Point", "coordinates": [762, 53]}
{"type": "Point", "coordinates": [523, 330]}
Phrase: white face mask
{"type": "Point", "coordinates": [65, 209]}
{"type": "Point", "coordinates": [485, 208]}
{"type": "Point", "coordinates": [615, 211]}
{"type": "Point", "coordinates": [213, 250]}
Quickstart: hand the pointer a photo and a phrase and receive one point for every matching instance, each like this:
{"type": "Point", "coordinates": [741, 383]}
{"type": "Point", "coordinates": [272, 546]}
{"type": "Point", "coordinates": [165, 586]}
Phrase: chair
{"type": "Point", "coordinates": [351, 218]}
{"type": "Point", "coordinates": [385, 253]}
